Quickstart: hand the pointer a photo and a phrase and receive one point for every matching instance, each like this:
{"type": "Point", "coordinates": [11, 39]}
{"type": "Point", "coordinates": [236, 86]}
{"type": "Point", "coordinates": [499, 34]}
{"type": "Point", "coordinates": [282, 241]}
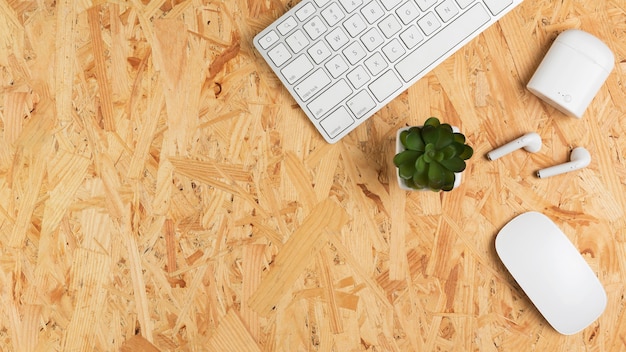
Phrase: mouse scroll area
{"type": "Point", "coordinates": [551, 271]}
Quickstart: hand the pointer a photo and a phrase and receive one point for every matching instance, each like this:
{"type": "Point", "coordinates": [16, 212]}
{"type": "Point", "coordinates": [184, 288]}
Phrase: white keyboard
{"type": "Point", "coordinates": [343, 60]}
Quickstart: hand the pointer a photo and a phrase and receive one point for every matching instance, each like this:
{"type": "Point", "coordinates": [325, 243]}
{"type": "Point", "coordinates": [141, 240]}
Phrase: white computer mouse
{"type": "Point", "coordinates": [551, 271]}
{"type": "Point", "coordinates": [572, 71]}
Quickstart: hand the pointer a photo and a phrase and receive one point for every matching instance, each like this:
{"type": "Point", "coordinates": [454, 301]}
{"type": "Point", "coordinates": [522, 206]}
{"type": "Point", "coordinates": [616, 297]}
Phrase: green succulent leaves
{"type": "Point", "coordinates": [433, 154]}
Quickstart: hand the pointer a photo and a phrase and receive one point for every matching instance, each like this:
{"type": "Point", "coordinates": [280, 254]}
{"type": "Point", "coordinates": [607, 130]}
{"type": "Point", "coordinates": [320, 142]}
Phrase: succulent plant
{"type": "Point", "coordinates": [433, 154]}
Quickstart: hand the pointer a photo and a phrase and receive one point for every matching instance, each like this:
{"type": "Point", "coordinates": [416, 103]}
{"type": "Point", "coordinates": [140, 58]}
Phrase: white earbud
{"type": "Point", "coordinates": [579, 158]}
{"type": "Point", "coordinates": [530, 142]}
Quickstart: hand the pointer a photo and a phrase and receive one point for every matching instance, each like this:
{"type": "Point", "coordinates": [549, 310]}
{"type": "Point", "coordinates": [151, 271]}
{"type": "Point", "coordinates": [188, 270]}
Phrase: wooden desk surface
{"type": "Point", "coordinates": [159, 189]}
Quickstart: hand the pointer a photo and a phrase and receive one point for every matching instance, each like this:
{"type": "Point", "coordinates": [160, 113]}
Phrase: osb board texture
{"type": "Point", "coordinates": [160, 190]}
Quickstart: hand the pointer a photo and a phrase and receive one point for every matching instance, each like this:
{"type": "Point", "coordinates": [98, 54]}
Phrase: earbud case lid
{"type": "Point", "coordinates": [590, 46]}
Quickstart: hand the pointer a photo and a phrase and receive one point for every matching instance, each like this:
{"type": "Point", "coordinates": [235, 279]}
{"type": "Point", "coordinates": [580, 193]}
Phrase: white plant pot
{"type": "Point", "coordinates": [400, 147]}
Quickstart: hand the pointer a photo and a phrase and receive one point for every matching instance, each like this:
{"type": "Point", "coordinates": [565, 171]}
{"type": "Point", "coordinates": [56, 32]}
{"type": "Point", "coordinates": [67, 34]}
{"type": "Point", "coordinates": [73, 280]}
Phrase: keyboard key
{"type": "Point", "coordinates": [390, 4]}
{"type": "Point", "coordinates": [426, 4]}
{"type": "Point", "coordinates": [411, 37]}
{"type": "Point", "coordinates": [351, 5]}
{"type": "Point", "coordinates": [312, 85]}
{"type": "Point", "coordinates": [297, 41]}
{"type": "Point", "coordinates": [394, 50]}
{"type": "Point", "coordinates": [279, 55]}
{"type": "Point", "coordinates": [372, 39]}
{"type": "Point", "coordinates": [269, 39]}
{"type": "Point", "coordinates": [390, 26]}
{"type": "Point", "coordinates": [321, 3]}
{"type": "Point", "coordinates": [376, 64]}
{"type": "Point", "coordinates": [336, 66]}
{"type": "Point", "coordinates": [319, 52]}
{"type": "Point", "coordinates": [361, 104]}
{"type": "Point", "coordinates": [408, 12]}
{"type": "Point", "coordinates": [358, 77]}
{"type": "Point", "coordinates": [497, 6]}
{"type": "Point", "coordinates": [297, 69]}
{"type": "Point", "coordinates": [372, 12]}
{"type": "Point", "coordinates": [355, 25]}
{"type": "Point", "coordinates": [354, 53]}
{"type": "Point", "coordinates": [385, 85]}
{"type": "Point", "coordinates": [447, 10]}
{"type": "Point", "coordinates": [337, 38]}
{"type": "Point", "coordinates": [305, 12]}
{"type": "Point", "coordinates": [287, 25]}
{"type": "Point", "coordinates": [333, 14]}
{"type": "Point", "coordinates": [326, 101]}
{"type": "Point", "coordinates": [337, 122]}
{"type": "Point", "coordinates": [315, 28]}
{"type": "Point", "coordinates": [462, 27]}
{"type": "Point", "coordinates": [429, 23]}
{"type": "Point", "coordinates": [465, 3]}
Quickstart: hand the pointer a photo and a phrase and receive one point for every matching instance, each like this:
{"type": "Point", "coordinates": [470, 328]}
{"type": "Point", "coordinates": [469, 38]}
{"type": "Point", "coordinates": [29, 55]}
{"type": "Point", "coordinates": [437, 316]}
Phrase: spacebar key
{"type": "Point", "coordinates": [443, 42]}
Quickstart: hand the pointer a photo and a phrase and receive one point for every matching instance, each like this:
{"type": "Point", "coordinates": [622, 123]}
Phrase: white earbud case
{"type": "Point", "coordinates": [572, 72]}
